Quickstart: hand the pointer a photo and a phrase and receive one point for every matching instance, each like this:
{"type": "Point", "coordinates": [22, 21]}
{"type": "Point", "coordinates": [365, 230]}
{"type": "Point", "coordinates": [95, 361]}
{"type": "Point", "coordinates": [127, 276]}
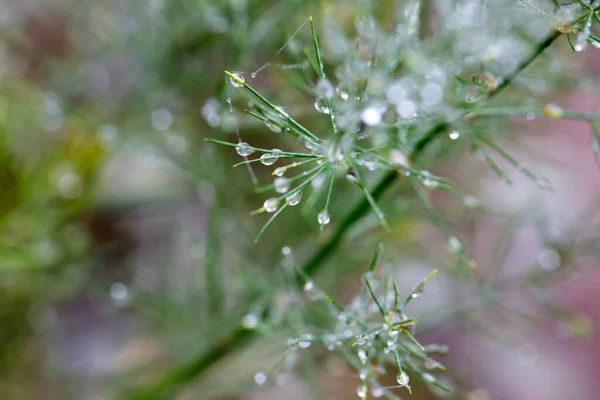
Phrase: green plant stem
{"type": "Point", "coordinates": [205, 360]}
{"type": "Point", "coordinates": [536, 111]}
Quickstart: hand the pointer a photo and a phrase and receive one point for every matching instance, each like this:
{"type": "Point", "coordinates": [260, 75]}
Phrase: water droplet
{"type": "Point", "coordinates": [428, 378]}
{"type": "Point", "coordinates": [432, 94]}
{"type": "Point", "coordinates": [324, 88]}
{"type": "Point", "coordinates": [426, 178]}
{"type": "Point", "coordinates": [279, 171]}
{"type": "Point", "coordinates": [283, 111]}
{"type": "Point", "coordinates": [250, 321]}
{"type": "Point", "coordinates": [549, 259]}
{"type": "Point", "coordinates": [253, 75]}
{"type": "Point", "coordinates": [361, 339]}
{"type": "Point", "coordinates": [320, 106]}
{"type": "Point", "coordinates": [396, 92]}
{"type": "Point", "coordinates": [286, 251]}
{"type": "Point", "coordinates": [377, 391]}
{"type": "Point", "coordinates": [406, 109]}
{"type": "Point", "coordinates": [293, 199]}
{"type": "Point", "coordinates": [344, 317]}
{"type": "Point", "coordinates": [237, 80]}
{"type": "Point", "coordinates": [305, 341]}
{"type": "Point", "coordinates": [343, 95]}
{"type": "Point", "coordinates": [243, 149]}
{"type": "Point", "coordinates": [318, 180]}
{"type": "Point", "coordinates": [437, 348]}
{"type": "Point", "coordinates": [210, 112]}
{"type": "Point", "coordinates": [471, 201]}
{"type": "Point", "coordinates": [581, 41]}
{"type": "Point", "coordinates": [454, 135]}
{"type": "Point", "coordinates": [362, 356]}
{"type": "Point", "coordinates": [282, 185]}
{"type": "Point", "coordinates": [372, 115]}
{"type": "Point", "coordinates": [402, 379]}
{"type": "Point", "coordinates": [351, 176]}
{"type": "Point", "coordinates": [530, 116]}
{"type": "Point", "coordinates": [362, 374]}
{"type": "Point", "coordinates": [528, 354]}
{"type": "Point", "coordinates": [312, 291]}
{"type": "Point", "coordinates": [432, 364]}
{"type": "Point", "coordinates": [271, 204]}
{"type": "Point", "coordinates": [454, 244]}
{"type": "Point", "coordinates": [161, 119]}
{"type": "Point", "coordinates": [323, 217]}
{"type": "Point", "coordinates": [361, 391]}
{"type": "Point", "coordinates": [273, 127]}
{"type": "Point", "coordinates": [270, 158]}
{"type": "Point", "coordinates": [331, 342]}
{"type": "Point", "coordinates": [260, 378]}
{"type": "Point", "coordinates": [118, 291]}
{"type": "Point", "coordinates": [551, 110]}
{"type": "Point", "coordinates": [543, 183]}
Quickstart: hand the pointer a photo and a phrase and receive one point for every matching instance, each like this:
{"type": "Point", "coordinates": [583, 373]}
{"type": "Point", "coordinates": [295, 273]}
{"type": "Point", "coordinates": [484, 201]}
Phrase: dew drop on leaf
{"type": "Point", "coordinates": [244, 149]}
{"type": "Point", "coordinates": [282, 185]}
{"type": "Point", "coordinates": [320, 106]}
{"type": "Point", "coordinates": [250, 321]}
{"type": "Point", "coordinates": [273, 127]}
{"type": "Point", "coordinates": [293, 199]}
{"type": "Point", "coordinates": [361, 391]}
{"type": "Point", "coordinates": [270, 158]}
{"type": "Point", "coordinates": [260, 378]}
{"type": "Point", "coordinates": [237, 80]}
{"type": "Point", "coordinates": [323, 217]}
{"type": "Point", "coordinates": [402, 379]}
{"type": "Point", "coordinates": [271, 204]}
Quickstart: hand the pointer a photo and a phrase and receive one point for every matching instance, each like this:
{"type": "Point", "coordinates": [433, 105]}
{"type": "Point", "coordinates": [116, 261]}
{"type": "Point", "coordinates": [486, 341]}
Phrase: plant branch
{"type": "Point", "coordinates": [186, 373]}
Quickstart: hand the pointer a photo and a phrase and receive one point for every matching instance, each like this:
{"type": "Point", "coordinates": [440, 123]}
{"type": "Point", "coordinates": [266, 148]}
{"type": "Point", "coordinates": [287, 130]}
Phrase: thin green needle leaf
{"type": "Point", "coordinates": [495, 167]}
{"type": "Point", "coordinates": [333, 302]}
{"type": "Point", "coordinates": [439, 223]}
{"type": "Point", "coordinates": [322, 75]}
{"type": "Point", "coordinates": [378, 212]}
{"type": "Point", "coordinates": [411, 350]}
{"type": "Point", "coordinates": [541, 183]}
{"type": "Point", "coordinates": [381, 309]}
{"type": "Point", "coordinates": [255, 115]}
{"type": "Point", "coordinates": [571, 44]}
{"type": "Point", "coordinates": [595, 127]}
{"type": "Point", "coordinates": [268, 151]}
{"type": "Point", "coordinates": [418, 288]}
{"type": "Point", "coordinates": [273, 107]}
{"type": "Point", "coordinates": [282, 156]}
{"type": "Point", "coordinates": [314, 171]}
{"type": "Point", "coordinates": [269, 222]}
{"type": "Point", "coordinates": [395, 295]}
{"type": "Point", "coordinates": [328, 198]}
{"type": "Point", "coordinates": [414, 340]}
{"type": "Point", "coordinates": [283, 169]}
{"type": "Point", "coordinates": [317, 51]}
{"type": "Point", "coordinates": [376, 257]}
{"type": "Point", "coordinates": [399, 367]}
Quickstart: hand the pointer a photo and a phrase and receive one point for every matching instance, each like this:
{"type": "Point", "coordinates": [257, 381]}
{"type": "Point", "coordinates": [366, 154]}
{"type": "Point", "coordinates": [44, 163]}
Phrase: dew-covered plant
{"type": "Point", "coordinates": [380, 106]}
{"type": "Point", "coordinates": [370, 333]}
